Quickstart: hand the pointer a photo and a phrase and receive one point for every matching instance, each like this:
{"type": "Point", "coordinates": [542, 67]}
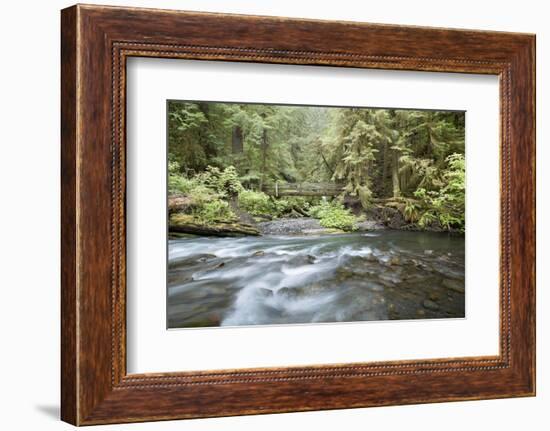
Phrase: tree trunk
{"type": "Point", "coordinates": [384, 169]}
{"type": "Point", "coordinates": [237, 140]}
{"type": "Point", "coordinates": [264, 158]}
{"type": "Point", "coordinates": [203, 132]}
{"type": "Point", "coordinates": [395, 175]}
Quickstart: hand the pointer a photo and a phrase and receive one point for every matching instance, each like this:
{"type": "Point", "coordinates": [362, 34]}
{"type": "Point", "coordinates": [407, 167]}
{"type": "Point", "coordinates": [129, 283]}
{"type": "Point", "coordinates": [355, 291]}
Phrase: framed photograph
{"type": "Point", "coordinates": [265, 215]}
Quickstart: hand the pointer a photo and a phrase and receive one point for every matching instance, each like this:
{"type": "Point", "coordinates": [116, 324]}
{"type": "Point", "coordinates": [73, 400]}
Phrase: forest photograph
{"type": "Point", "coordinates": [294, 214]}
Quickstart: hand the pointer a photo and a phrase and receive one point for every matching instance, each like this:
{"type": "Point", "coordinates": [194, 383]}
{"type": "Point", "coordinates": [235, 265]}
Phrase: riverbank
{"type": "Point", "coordinates": [181, 226]}
{"type": "Point", "coordinates": [254, 213]}
{"type": "Point", "coordinates": [308, 226]}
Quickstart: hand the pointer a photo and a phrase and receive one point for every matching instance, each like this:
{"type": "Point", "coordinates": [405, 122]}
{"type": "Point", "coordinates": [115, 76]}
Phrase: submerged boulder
{"type": "Point", "coordinates": [454, 285]}
{"type": "Point", "coordinates": [430, 305]}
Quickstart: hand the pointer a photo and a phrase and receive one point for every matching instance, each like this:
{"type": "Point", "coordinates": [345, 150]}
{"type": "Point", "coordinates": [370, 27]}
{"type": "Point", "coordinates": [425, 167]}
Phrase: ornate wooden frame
{"type": "Point", "coordinates": [95, 43]}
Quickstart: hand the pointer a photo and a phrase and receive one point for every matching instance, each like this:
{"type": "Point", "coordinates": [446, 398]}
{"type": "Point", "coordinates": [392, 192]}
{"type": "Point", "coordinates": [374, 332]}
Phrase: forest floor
{"type": "Point", "coordinates": [307, 226]}
{"type": "Point", "coordinates": [238, 219]}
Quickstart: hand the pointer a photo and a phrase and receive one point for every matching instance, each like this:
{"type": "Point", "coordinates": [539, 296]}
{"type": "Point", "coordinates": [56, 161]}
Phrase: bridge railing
{"type": "Point", "coordinates": [302, 189]}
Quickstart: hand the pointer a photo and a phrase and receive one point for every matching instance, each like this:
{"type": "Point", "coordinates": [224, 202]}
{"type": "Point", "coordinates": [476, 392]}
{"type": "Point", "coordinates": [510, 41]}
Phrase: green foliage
{"type": "Point", "coordinates": [258, 203]}
{"type": "Point", "coordinates": [173, 167]}
{"type": "Point", "coordinates": [365, 195]}
{"type": "Point", "coordinates": [206, 192]}
{"type": "Point", "coordinates": [446, 205]}
{"type": "Point", "coordinates": [186, 137]}
{"type": "Point", "coordinates": [178, 184]}
{"type": "Point", "coordinates": [214, 211]}
{"type": "Point", "coordinates": [373, 153]}
{"type": "Point", "coordinates": [334, 216]}
{"type": "Point", "coordinates": [355, 139]}
{"type": "Point", "coordinates": [290, 203]}
{"type": "Point", "coordinates": [412, 211]}
{"type": "Point", "coordinates": [224, 182]}
{"type": "Point", "coordinates": [201, 195]}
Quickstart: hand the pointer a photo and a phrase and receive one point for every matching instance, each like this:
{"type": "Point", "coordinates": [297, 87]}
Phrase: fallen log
{"type": "Point", "coordinates": [300, 211]}
{"type": "Point", "coordinates": [179, 203]}
{"type": "Point", "coordinates": [183, 224]}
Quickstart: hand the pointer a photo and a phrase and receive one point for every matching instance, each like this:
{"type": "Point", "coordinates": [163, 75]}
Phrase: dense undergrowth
{"type": "Point", "coordinates": [216, 196]}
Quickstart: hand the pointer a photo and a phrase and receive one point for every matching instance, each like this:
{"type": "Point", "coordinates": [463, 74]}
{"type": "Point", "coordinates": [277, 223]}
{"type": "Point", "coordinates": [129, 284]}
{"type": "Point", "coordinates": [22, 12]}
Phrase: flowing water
{"type": "Point", "coordinates": [320, 278]}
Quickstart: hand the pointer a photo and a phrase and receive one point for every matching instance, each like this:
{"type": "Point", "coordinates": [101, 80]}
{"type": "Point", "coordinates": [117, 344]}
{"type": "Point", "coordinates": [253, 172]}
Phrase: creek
{"type": "Point", "coordinates": [285, 279]}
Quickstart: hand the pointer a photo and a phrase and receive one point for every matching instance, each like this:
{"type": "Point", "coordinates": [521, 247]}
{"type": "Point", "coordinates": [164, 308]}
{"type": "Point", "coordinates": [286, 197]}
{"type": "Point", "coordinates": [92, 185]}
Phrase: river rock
{"type": "Point", "coordinates": [390, 278]}
{"type": "Point", "coordinates": [454, 285]}
{"type": "Point", "coordinates": [290, 226]}
{"type": "Point", "coordinates": [344, 272]}
{"type": "Point", "coordinates": [389, 260]}
{"type": "Point", "coordinates": [258, 253]}
{"type": "Point", "coordinates": [187, 261]}
{"type": "Point", "coordinates": [288, 292]}
{"type": "Point", "coordinates": [434, 296]}
{"type": "Point", "coordinates": [430, 305]}
{"type": "Point", "coordinates": [206, 319]}
{"type": "Point", "coordinates": [394, 260]}
{"type": "Point", "coordinates": [375, 287]}
{"type": "Point", "coordinates": [370, 258]}
{"type": "Point", "coordinates": [178, 278]}
{"type": "Point", "coordinates": [369, 225]}
{"type": "Point", "coordinates": [265, 293]}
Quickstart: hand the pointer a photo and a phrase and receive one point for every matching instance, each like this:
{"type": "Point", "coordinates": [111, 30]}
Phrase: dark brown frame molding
{"type": "Point", "coordinates": [95, 43]}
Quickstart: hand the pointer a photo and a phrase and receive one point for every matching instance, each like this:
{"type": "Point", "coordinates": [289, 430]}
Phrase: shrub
{"type": "Point", "coordinates": [201, 195]}
{"type": "Point", "coordinates": [207, 205]}
{"type": "Point", "coordinates": [334, 216]}
{"type": "Point", "coordinates": [215, 211]}
{"type": "Point", "coordinates": [412, 211]}
{"type": "Point", "coordinates": [257, 203]}
{"type": "Point", "coordinates": [179, 184]}
{"type": "Point", "coordinates": [173, 167]}
{"type": "Point", "coordinates": [225, 182]}
{"type": "Point", "coordinates": [229, 181]}
{"type": "Point", "coordinates": [446, 205]}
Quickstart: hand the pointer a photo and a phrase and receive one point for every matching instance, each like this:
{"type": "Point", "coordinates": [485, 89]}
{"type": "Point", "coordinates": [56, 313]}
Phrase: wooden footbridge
{"type": "Point", "coordinates": [303, 189]}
